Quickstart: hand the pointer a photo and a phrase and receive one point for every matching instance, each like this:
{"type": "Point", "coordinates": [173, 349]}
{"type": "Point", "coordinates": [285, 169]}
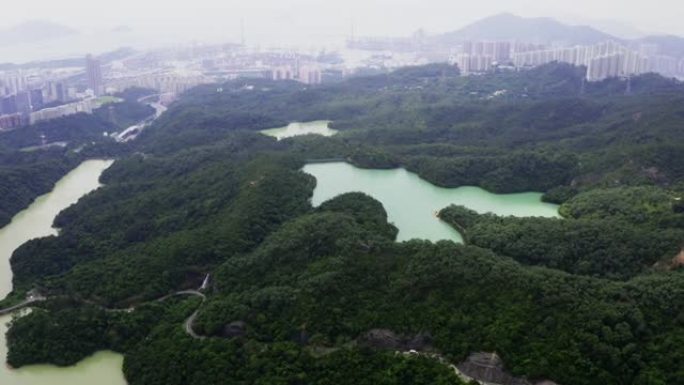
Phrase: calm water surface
{"type": "Point", "coordinates": [319, 127]}
{"type": "Point", "coordinates": [411, 202]}
{"type": "Point", "coordinates": [103, 368]}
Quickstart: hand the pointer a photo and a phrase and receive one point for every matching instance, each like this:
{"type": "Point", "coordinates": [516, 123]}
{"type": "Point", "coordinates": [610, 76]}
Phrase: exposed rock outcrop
{"type": "Point", "coordinates": [678, 260]}
{"type": "Point", "coordinates": [483, 368]}
{"type": "Point", "coordinates": [488, 368]}
{"type": "Point", "coordinates": [670, 264]}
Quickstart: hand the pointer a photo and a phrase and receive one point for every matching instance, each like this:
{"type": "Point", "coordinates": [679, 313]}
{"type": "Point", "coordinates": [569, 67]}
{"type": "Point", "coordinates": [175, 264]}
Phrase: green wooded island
{"type": "Point", "coordinates": [421, 228]}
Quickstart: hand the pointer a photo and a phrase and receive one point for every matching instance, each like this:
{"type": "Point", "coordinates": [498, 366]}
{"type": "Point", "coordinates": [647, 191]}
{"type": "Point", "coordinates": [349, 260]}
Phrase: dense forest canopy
{"type": "Point", "coordinates": [546, 130]}
{"type": "Point", "coordinates": [26, 175]}
{"type": "Point", "coordinates": [27, 170]}
{"type": "Point", "coordinates": [299, 295]}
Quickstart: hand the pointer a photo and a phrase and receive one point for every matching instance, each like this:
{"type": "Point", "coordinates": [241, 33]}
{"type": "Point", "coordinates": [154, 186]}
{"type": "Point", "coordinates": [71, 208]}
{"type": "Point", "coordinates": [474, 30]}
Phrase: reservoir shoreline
{"type": "Point", "coordinates": [411, 202]}
{"type": "Point", "coordinates": [102, 368]}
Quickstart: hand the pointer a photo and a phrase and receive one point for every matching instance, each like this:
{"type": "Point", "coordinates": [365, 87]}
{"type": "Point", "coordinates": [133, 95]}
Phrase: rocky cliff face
{"type": "Point", "coordinates": [483, 368]}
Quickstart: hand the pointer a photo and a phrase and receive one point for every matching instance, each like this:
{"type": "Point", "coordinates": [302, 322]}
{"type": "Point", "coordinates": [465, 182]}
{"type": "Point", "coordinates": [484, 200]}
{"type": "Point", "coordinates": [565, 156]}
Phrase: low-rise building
{"type": "Point", "coordinates": [11, 121]}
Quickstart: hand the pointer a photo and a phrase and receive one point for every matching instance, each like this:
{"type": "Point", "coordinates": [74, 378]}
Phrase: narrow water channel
{"type": "Point", "coordinates": [103, 368]}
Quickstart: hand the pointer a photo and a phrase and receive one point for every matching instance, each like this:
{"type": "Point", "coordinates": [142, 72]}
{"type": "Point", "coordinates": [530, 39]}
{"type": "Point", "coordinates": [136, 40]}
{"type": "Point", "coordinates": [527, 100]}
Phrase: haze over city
{"type": "Point", "coordinates": [310, 23]}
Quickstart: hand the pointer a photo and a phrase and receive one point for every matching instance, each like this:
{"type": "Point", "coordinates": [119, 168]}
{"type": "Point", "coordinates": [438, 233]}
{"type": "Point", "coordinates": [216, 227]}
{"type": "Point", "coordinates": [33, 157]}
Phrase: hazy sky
{"type": "Point", "coordinates": [319, 19]}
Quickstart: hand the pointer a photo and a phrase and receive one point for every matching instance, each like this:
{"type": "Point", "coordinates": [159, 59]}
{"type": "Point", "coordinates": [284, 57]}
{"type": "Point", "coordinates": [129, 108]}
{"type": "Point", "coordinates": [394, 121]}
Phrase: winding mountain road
{"type": "Point", "coordinates": [187, 325]}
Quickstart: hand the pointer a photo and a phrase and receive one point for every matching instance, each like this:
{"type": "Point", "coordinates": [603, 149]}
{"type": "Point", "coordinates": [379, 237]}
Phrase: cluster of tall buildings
{"type": "Point", "coordinates": [17, 95]}
{"type": "Point", "coordinates": [475, 57]}
{"type": "Point", "coordinates": [21, 95]}
{"type": "Point", "coordinates": [495, 51]}
{"type": "Point", "coordinates": [618, 64]}
{"type": "Point", "coordinates": [24, 95]}
{"type": "Point", "coordinates": [16, 108]}
{"type": "Point", "coordinates": [602, 61]}
{"type": "Point", "coordinates": [473, 64]}
{"type": "Point", "coordinates": [13, 83]}
{"type": "Point", "coordinates": [275, 65]}
{"type": "Point", "coordinates": [42, 93]}
{"type": "Point", "coordinates": [307, 74]}
{"type": "Point", "coordinates": [164, 82]}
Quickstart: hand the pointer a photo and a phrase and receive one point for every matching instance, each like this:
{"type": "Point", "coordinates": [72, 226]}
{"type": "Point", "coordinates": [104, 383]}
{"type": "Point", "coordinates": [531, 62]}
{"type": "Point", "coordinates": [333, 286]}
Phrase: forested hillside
{"type": "Point", "coordinates": [27, 171]}
{"type": "Point", "coordinates": [544, 129]}
{"type": "Point", "coordinates": [25, 176]}
{"type": "Point", "coordinates": [325, 295]}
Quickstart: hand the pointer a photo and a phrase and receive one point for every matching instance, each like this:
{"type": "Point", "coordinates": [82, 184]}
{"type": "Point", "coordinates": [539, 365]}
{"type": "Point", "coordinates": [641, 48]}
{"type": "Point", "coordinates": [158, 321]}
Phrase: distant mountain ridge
{"type": "Point", "coordinates": [669, 44]}
{"type": "Point", "coordinates": [540, 30]}
{"type": "Point", "coordinates": [34, 31]}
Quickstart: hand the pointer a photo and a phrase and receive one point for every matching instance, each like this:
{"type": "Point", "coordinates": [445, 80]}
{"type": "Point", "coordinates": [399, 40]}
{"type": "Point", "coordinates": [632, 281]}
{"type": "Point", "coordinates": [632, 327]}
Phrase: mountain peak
{"type": "Point", "coordinates": [507, 26]}
{"type": "Point", "coordinates": [33, 31]}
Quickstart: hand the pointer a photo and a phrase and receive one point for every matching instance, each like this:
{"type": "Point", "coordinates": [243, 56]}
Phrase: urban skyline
{"type": "Point", "coordinates": [301, 22]}
{"type": "Point", "coordinates": [33, 94]}
{"type": "Point", "coordinates": [436, 15]}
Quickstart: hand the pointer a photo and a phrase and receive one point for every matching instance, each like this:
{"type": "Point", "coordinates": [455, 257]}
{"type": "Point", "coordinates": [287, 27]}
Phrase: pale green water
{"type": "Point", "coordinates": [36, 220]}
{"type": "Point", "coordinates": [103, 368]}
{"type": "Point", "coordinates": [411, 202]}
{"type": "Point", "coordinates": [319, 127]}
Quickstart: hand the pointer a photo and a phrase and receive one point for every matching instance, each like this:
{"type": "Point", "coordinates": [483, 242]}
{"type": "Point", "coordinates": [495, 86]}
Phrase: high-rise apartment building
{"type": "Point", "coordinates": [37, 101]}
{"type": "Point", "coordinates": [283, 73]}
{"type": "Point", "coordinates": [8, 105]}
{"type": "Point", "coordinates": [621, 64]}
{"type": "Point", "coordinates": [473, 64]}
{"type": "Point", "coordinates": [56, 92]}
{"type": "Point", "coordinates": [309, 75]}
{"type": "Point", "coordinates": [23, 102]}
{"type": "Point", "coordinates": [14, 83]}
{"type": "Point", "coordinates": [665, 65]}
{"type": "Point", "coordinates": [498, 51]}
{"type": "Point", "coordinates": [94, 74]}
